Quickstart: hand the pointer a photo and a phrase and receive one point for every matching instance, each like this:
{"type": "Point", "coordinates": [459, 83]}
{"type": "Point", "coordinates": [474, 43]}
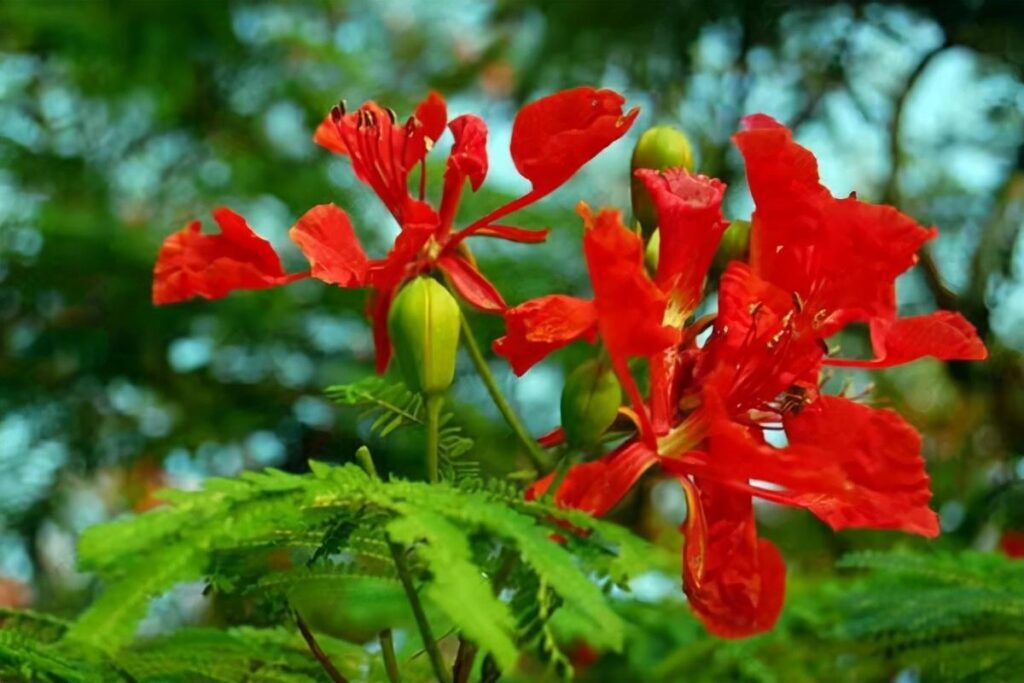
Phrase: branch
{"type": "Point", "coordinates": [320, 655]}
{"type": "Point", "coordinates": [890, 195]}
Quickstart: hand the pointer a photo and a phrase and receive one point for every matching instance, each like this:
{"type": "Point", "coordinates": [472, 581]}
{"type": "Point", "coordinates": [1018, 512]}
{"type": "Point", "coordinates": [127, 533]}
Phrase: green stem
{"type": "Point", "coordinates": [434, 404]}
{"type": "Point", "coordinates": [561, 469]}
{"type": "Point", "coordinates": [533, 451]}
{"type": "Point", "coordinates": [429, 644]}
{"type": "Point", "coordinates": [387, 649]}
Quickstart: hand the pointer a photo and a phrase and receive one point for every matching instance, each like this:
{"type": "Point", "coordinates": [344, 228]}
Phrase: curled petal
{"type": "Point", "coordinates": [513, 234]}
{"type": "Point", "coordinates": [325, 236]}
{"type": "Point", "coordinates": [556, 135]}
{"type": "Point", "coordinates": [943, 334]}
{"type": "Point", "coordinates": [192, 264]}
{"type": "Point", "coordinates": [471, 284]}
{"type": "Point", "coordinates": [595, 487]}
{"type": "Point", "coordinates": [735, 581]}
{"type": "Point", "coordinates": [690, 225]}
{"type": "Point", "coordinates": [537, 327]}
{"type": "Point", "coordinates": [630, 308]}
{"type": "Point", "coordinates": [468, 158]}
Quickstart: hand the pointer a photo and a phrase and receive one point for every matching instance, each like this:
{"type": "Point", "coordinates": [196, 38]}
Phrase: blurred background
{"type": "Point", "coordinates": [121, 121]}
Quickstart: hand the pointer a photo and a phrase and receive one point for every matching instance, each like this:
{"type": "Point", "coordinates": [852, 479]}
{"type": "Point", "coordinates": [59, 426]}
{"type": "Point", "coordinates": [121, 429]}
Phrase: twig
{"type": "Point", "coordinates": [429, 642]}
{"type": "Point", "coordinates": [464, 660]}
{"type": "Point", "coordinates": [890, 194]}
{"type": "Point", "coordinates": [387, 650]}
{"type": "Point", "coordinates": [537, 458]}
{"type": "Point", "coordinates": [320, 655]}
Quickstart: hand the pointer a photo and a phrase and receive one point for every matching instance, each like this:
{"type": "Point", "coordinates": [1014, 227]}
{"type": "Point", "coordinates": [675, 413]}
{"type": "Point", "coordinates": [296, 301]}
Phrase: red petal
{"type": "Point", "coordinates": [556, 135]}
{"type": "Point", "coordinates": [377, 307]}
{"type": "Point", "coordinates": [327, 136]}
{"type": "Point", "coordinates": [468, 158]}
{"type": "Point", "coordinates": [536, 328]}
{"type": "Point", "coordinates": [690, 224]}
{"type": "Point", "coordinates": [879, 453]}
{"type": "Point", "coordinates": [191, 264]}
{"type": "Point", "coordinates": [512, 234]}
{"type": "Point", "coordinates": [630, 307]}
{"type": "Point", "coordinates": [841, 255]}
{"type": "Point", "coordinates": [471, 284]}
{"type": "Point", "coordinates": [1012, 544]}
{"type": "Point", "coordinates": [325, 236]}
{"type": "Point", "coordinates": [943, 334]}
{"type": "Point", "coordinates": [403, 259]}
{"type": "Point", "coordinates": [432, 112]}
{"type": "Point", "coordinates": [735, 581]}
{"type": "Point", "coordinates": [553, 438]}
{"type": "Point", "coordinates": [595, 487]}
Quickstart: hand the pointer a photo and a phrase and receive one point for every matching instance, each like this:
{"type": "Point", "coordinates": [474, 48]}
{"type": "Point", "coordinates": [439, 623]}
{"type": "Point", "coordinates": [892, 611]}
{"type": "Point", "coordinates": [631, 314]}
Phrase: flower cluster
{"type": "Point", "coordinates": [816, 264]}
{"type": "Point", "coordinates": [552, 138]}
{"type": "Point", "coordinates": [715, 384]}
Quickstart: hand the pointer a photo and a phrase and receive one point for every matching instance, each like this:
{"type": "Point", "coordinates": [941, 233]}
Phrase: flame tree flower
{"type": "Point", "coordinates": [552, 138]}
{"type": "Point", "coordinates": [817, 263]}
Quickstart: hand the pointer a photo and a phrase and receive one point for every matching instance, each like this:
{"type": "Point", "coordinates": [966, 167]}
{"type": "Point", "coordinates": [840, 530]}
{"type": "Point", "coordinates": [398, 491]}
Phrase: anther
{"type": "Point", "coordinates": [336, 113]}
{"type": "Point", "coordinates": [392, 115]}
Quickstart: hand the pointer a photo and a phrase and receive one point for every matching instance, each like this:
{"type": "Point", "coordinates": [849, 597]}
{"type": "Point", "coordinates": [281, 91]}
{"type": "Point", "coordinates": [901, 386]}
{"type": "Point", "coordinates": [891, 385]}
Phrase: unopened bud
{"type": "Point", "coordinates": [590, 401]}
{"type": "Point", "coordinates": [734, 245]}
{"type": "Point", "coordinates": [658, 148]}
{"type": "Point", "coordinates": [424, 325]}
{"type": "Point", "coordinates": [653, 251]}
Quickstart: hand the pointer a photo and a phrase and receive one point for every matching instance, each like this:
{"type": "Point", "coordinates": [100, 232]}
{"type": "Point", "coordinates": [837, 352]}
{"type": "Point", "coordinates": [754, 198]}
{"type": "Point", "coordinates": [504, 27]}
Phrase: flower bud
{"type": "Point", "coordinates": [590, 401]}
{"type": "Point", "coordinates": [653, 251]}
{"type": "Point", "coordinates": [734, 245]}
{"type": "Point", "coordinates": [658, 148]}
{"type": "Point", "coordinates": [424, 326]}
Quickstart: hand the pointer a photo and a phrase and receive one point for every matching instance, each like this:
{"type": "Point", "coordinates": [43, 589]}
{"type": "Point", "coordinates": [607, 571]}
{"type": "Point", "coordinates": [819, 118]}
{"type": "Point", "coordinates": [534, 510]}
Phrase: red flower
{"type": "Point", "coordinates": [816, 264]}
{"type": "Point", "coordinates": [551, 139]}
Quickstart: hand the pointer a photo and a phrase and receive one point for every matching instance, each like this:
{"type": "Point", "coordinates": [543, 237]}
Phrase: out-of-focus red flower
{"type": "Point", "coordinates": [817, 263]}
{"type": "Point", "coordinates": [14, 594]}
{"type": "Point", "coordinates": [551, 139]}
{"type": "Point", "coordinates": [1012, 544]}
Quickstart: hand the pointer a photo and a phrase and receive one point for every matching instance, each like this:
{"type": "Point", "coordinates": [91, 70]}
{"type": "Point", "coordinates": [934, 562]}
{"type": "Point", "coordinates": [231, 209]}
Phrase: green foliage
{"type": "Point", "coordinates": [955, 617]}
{"type": "Point", "coordinates": [230, 532]}
{"type": "Point", "coordinates": [388, 407]}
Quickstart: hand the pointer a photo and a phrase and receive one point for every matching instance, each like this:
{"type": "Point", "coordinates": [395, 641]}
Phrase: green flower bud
{"type": "Point", "coordinates": [590, 401]}
{"type": "Point", "coordinates": [658, 148]}
{"type": "Point", "coordinates": [734, 245]}
{"type": "Point", "coordinates": [424, 325]}
{"type": "Point", "coordinates": [653, 251]}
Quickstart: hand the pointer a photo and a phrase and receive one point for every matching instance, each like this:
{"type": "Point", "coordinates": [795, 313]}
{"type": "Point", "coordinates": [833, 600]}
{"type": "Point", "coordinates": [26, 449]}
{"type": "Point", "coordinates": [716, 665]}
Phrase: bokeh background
{"type": "Point", "coordinates": [121, 121]}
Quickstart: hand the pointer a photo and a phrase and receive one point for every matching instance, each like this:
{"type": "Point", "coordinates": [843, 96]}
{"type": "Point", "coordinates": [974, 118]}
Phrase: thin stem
{"type": "Point", "coordinates": [429, 644]}
{"type": "Point", "coordinates": [561, 469]}
{"type": "Point", "coordinates": [320, 655]}
{"type": "Point", "coordinates": [434, 404]}
{"type": "Point", "coordinates": [533, 452]}
{"type": "Point", "coordinates": [464, 660]}
{"type": "Point", "coordinates": [387, 649]}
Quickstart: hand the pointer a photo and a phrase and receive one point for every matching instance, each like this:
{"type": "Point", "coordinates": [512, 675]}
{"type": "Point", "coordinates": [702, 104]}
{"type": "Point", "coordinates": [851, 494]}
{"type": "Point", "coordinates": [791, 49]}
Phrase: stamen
{"type": "Point", "coordinates": [337, 112]}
